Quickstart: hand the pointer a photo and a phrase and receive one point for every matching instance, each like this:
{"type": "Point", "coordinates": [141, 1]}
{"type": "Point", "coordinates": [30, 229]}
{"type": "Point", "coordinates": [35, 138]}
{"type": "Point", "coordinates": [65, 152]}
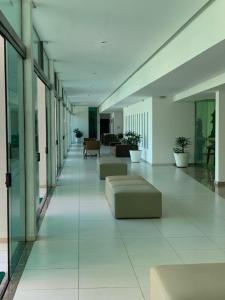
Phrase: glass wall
{"type": "Point", "coordinates": [205, 133]}
{"type": "Point", "coordinates": [3, 171]}
{"type": "Point", "coordinates": [36, 42]}
{"type": "Point", "coordinates": [45, 64]}
{"type": "Point", "coordinates": [15, 115]}
{"type": "Point", "coordinates": [12, 11]}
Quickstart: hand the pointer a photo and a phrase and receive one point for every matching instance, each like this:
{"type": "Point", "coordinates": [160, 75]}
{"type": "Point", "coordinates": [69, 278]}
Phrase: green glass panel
{"type": "Point", "coordinates": [46, 65]}
{"type": "Point", "coordinates": [15, 115]}
{"type": "Point", "coordinates": [35, 95]}
{"type": "Point", "coordinates": [12, 11]}
{"type": "Point", "coordinates": [92, 122]}
{"type": "Point", "coordinates": [58, 135]}
{"type": "Point", "coordinates": [36, 41]}
{"type": "Point", "coordinates": [205, 133]}
{"type": "Point", "coordinates": [3, 170]}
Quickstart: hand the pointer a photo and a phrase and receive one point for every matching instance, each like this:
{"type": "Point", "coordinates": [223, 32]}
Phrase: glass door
{"type": "Point", "coordinates": [42, 137]}
{"type": "Point", "coordinates": [15, 147]}
{"type": "Point", "coordinates": [3, 170]}
{"type": "Point", "coordinates": [58, 135]}
{"type": "Point", "coordinates": [205, 133]}
{"type": "Point", "coordinates": [56, 142]}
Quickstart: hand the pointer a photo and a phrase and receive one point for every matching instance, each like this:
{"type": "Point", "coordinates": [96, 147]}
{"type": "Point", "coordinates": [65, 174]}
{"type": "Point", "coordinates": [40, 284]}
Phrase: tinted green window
{"type": "Point", "coordinates": [15, 116]}
{"type": "Point", "coordinates": [12, 11]}
{"type": "Point", "coordinates": [36, 41]}
{"type": "Point", "coordinates": [205, 132]}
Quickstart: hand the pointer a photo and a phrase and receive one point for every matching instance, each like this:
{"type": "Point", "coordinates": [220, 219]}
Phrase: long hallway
{"type": "Point", "coordinates": [83, 253]}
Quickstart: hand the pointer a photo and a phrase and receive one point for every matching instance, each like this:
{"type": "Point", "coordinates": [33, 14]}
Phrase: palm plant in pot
{"type": "Point", "coordinates": [180, 154]}
{"type": "Point", "coordinates": [78, 135]}
{"type": "Point", "coordinates": [133, 139]}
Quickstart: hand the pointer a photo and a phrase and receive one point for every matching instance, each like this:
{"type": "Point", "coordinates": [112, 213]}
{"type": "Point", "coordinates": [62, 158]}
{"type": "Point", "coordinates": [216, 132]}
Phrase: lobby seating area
{"type": "Point", "coordinates": [112, 165]}
{"type": "Point", "coordinates": [85, 251]}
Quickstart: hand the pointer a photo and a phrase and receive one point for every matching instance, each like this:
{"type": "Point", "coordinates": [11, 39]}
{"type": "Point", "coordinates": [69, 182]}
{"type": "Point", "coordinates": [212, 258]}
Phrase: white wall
{"type": "Point", "coordinates": [116, 122]}
{"type": "Point", "coordinates": [160, 121]}
{"type": "Point", "coordinates": [138, 118]}
{"type": "Point", "coordinates": [171, 120]}
{"type": "Point", "coordinates": [79, 119]}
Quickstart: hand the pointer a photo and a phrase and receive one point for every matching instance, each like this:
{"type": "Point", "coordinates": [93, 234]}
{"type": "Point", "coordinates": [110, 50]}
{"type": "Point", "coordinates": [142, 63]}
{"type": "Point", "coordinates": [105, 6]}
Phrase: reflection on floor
{"type": "Point", "coordinates": [3, 265]}
{"type": "Point", "coordinates": [206, 177]}
{"type": "Point", "coordinates": [83, 253]}
{"type": "Point", "coordinates": [3, 257]}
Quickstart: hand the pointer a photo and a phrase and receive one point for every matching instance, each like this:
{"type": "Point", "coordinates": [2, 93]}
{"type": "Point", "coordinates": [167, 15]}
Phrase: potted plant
{"type": "Point", "coordinates": [133, 139]}
{"type": "Point", "coordinates": [120, 136]}
{"type": "Point", "coordinates": [78, 135]}
{"type": "Point", "coordinates": [180, 155]}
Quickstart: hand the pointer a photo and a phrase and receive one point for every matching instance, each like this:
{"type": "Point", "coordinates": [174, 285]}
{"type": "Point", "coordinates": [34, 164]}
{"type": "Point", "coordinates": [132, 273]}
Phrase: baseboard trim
{"type": "Point", "coordinates": [219, 183]}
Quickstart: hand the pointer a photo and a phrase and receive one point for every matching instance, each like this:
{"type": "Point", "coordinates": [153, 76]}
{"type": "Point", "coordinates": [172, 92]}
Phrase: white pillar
{"type": "Point", "coordinates": [29, 105]}
{"type": "Point", "coordinates": [53, 138]}
{"type": "Point", "coordinates": [220, 140]}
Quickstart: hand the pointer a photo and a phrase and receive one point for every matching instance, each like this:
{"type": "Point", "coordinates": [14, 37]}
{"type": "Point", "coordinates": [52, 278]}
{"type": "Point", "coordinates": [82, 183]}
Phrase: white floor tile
{"type": "Point", "coordinates": [102, 277]}
{"type": "Point", "coordinates": [57, 294]}
{"type": "Point", "coordinates": [80, 241]}
{"type": "Point", "coordinates": [49, 279]}
{"type": "Point", "coordinates": [110, 294]}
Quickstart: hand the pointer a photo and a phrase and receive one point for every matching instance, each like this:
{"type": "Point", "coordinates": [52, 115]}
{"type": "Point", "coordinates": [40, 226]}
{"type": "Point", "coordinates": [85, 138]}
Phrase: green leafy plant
{"type": "Point", "coordinates": [181, 143]}
{"type": "Point", "coordinates": [78, 133]}
{"type": "Point", "coordinates": [120, 136]}
{"type": "Point", "coordinates": [131, 138]}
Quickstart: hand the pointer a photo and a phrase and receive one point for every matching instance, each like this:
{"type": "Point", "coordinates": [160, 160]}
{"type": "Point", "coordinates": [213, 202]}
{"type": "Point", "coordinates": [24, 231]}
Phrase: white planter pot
{"type": "Point", "coordinates": [135, 156]}
{"type": "Point", "coordinates": [77, 140]}
{"type": "Point", "coordinates": [181, 159]}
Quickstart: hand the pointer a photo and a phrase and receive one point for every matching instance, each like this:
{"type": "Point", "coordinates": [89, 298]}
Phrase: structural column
{"type": "Point", "coordinates": [29, 106]}
{"type": "Point", "coordinates": [53, 146]}
{"type": "Point", "coordinates": [220, 137]}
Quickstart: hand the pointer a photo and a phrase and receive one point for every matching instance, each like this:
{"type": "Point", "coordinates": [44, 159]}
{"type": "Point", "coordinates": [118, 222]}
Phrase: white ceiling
{"type": "Point", "coordinates": [201, 68]}
{"type": "Point", "coordinates": [133, 30]}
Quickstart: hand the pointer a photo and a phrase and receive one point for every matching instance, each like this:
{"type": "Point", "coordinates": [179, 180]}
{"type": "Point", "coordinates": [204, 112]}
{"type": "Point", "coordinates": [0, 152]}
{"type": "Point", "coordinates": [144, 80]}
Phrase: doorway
{"type": "Point", "coordinates": [104, 126]}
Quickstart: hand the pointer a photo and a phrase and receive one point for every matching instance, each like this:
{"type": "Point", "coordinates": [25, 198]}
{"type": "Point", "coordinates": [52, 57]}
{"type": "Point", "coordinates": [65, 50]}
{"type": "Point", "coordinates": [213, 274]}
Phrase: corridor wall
{"type": "Point", "coordinates": [159, 122]}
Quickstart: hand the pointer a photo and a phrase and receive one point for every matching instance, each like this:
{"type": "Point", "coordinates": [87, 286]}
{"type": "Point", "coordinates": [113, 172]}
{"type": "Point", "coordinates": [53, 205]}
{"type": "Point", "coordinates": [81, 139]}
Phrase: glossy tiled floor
{"type": "Point", "coordinates": [3, 257]}
{"type": "Point", "coordinates": [83, 253]}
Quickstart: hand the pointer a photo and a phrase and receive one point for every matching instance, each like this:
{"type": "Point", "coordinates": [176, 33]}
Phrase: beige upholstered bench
{"type": "Point", "coordinates": [188, 282]}
{"type": "Point", "coordinates": [110, 166]}
{"type": "Point", "coordinates": [133, 197]}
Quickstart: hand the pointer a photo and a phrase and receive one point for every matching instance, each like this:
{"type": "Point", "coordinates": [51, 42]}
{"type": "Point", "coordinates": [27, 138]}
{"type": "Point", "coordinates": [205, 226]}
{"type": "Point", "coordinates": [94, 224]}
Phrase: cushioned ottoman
{"type": "Point", "coordinates": [188, 282]}
{"type": "Point", "coordinates": [132, 197]}
{"type": "Point", "coordinates": [110, 166]}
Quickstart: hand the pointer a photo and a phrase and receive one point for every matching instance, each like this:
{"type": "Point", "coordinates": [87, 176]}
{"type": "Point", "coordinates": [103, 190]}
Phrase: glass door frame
{"type": "Point", "coordinates": [6, 278]}
{"type": "Point", "coordinates": [14, 256]}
